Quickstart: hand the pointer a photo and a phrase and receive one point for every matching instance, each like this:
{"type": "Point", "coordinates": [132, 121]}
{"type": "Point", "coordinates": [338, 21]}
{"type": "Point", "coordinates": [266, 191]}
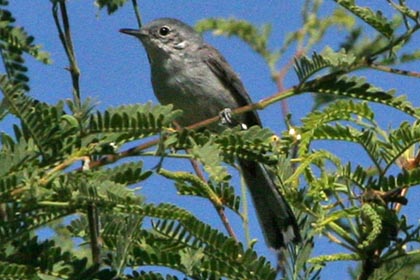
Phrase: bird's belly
{"type": "Point", "coordinates": [199, 98]}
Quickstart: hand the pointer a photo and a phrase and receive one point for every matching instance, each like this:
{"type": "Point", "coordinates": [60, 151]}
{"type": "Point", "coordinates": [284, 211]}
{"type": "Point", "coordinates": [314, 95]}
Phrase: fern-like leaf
{"type": "Point", "coordinates": [28, 219]}
{"type": "Point", "coordinates": [125, 174]}
{"type": "Point", "coordinates": [306, 67]}
{"type": "Point", "coordinates": [356, 87]}
{"type": "Point", "coordinates": [256, 38]}
{"type": "Point", "coordinates": [358, 176]}
{"type": "Point", "coordinates": [8, 184]}
{"type": "Point", "coordinates": [254, 143]}
{"type": "Point", "coordinates": [328, 132]}
{"type": "Point", "coordinates": [12, 271]}
{"type": "Point", "coordinates": [219, 245]}
{"type": "Point", "coordinates": [225, 193]}
{"type": "Point", "coordinates": [367, 139]}
{"type": "Point", "coordinates": [403, 180]}
{"type": "Point", "coordinates": [42, 124]}
{"type": "Point", "coordinates": [127, 122]}
{"type": "Point", "coordinates": [209, 156]}
{"type": "Point", "coordinates": [106, 193]}
{"type": "Point", "coordinates": [14, 41]}
{"type": "Point", "coordinates": [225, 253]}
{"type": "Point", "coordinates": [376, 20]}
{"type": "Point", "coordinates": [400, 140]}
{"type": "Point", "coordinates": [341, 110]}
{"type": "Point", "coordinates": [16, 155]}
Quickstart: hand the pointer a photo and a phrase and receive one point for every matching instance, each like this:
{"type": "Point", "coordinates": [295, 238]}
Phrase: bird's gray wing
{"type": "Point", "coordinates": [221, 68]}
{"type": "Point", "coordinates": [275, 215]}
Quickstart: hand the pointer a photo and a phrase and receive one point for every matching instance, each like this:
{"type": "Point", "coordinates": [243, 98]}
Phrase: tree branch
{"type": "Point", "coordinates": [67, 42]}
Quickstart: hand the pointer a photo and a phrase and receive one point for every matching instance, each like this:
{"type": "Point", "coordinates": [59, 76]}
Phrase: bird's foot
{"type": "Point", "coordinates": [227, 119]}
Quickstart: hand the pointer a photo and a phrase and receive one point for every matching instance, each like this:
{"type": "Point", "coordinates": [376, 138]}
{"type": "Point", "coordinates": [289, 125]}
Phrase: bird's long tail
{"type": "Point", "coordinates": [274, 213]}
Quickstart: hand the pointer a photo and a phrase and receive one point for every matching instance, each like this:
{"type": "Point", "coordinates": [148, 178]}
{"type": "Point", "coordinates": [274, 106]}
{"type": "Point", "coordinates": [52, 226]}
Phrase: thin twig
{"type": "Point", "coordinates": [394, 70]}
{"type": "Point", "coordinates": [124, 154]}
{"type": "Point", "coordinates": [67, 42]}
{"type": "Point", "coordinates": [399, 41]}
{"type": "Point", "coordinates": [137, 12]}
{"type": "Point", "coordinates": [220, 210]}
{"type": "Point", "coordinates": [279, 78]}
{"type": "Point", "coordinates": [92, 216]}
{"type": "Point", "coordinates": [136, 150]}
{"type": "Point", "coordinates": [262, 104]}
{"type": "Point", "coordinates": [245, 210]}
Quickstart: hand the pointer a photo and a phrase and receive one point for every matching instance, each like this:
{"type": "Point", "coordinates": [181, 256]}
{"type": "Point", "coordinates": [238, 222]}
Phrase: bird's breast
{"type": "Point", "coordinates": [192, 88]}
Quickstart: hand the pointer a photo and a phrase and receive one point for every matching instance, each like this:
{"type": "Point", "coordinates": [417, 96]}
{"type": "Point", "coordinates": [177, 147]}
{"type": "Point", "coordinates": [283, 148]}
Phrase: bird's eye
{"type": "Point", "coordinates": [164, 30]}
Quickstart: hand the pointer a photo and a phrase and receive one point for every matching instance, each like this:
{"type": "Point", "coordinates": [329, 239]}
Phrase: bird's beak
{"type": "Point", "coordinates": [133, 32]}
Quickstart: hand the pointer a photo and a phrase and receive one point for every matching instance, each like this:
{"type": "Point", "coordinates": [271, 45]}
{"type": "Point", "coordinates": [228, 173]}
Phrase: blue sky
{"type": "Point", "coordinates": [115, 71]}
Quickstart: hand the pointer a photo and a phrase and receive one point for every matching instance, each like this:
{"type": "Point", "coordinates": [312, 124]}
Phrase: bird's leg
{"type": "Point", "coordinates": [226, 119]}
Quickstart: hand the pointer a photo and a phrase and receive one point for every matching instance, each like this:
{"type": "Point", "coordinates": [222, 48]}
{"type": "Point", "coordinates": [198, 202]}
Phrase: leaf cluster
{"type": "Point", "coordinates": [77, 172]}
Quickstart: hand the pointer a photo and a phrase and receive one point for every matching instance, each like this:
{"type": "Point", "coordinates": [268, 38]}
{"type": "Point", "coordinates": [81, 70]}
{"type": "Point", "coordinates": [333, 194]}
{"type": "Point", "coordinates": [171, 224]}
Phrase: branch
{"type": "Point", "coordinates": [369, 265]}
{"type": "Point", "coordinates": [393, 70]}
{"type": "Point", "coordinates": [218, 206]}
{"type": "Point", "coordinates": [66, 40]}
{"type": "Point", "coordinates": [92, 216]}
{"type": "Point", "coordinates": [399, 41]}
{"type": "Point", "coordinates": [137, 12]}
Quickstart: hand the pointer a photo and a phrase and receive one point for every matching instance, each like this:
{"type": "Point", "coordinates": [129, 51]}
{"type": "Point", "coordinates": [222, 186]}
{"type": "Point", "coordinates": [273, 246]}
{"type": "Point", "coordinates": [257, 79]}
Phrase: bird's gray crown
{"type": "Point", "coordinates": [168, 34]}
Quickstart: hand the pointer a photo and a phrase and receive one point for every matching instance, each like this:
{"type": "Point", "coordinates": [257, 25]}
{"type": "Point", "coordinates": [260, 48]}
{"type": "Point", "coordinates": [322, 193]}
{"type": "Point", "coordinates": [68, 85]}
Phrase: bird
{"type": "Point", "coordinates": [194, 77]}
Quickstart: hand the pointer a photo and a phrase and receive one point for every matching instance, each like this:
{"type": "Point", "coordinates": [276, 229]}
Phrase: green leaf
{"type": "Point", "coordinates": [305, 67]}
{"type": "Point", "coordinates": [404, 266]}
{"type": "Point", "coordinates": [334, 258]}
{"type": "Point", "coordinates": [341, 110]}
{"type": "Point", "coordinates": [209, 156]}
{"type": "Point", "coordinates": [177, 229]}
{"type": "Point", "coordinates": [226, 254]}
{"type": "Point", "coordinates": [32, 218]}
{"type": "Point", "coordinates": [14, 41]}
{"type": "Point", "coordinates": [358, 177]}
{"type": "Point", "coordinates": [8, 184]}
{"type": "Point", "coordinates": [224, 192]}
{"type": "Point", "coordinates": [254, 143]}
{"type": "Point", "coordinates": [317, 158]}
{"type": "Point", "coordinates": [125, 123]}
{"type": "Point", "coordinates": [408, 57]}
{"type": "Point", "coordinates": [42, 124]}
{"type": "Point", "coordinates": [256, 38]}
{"type": "Point", "coordinates": [111, 5]}
{"type": "Point", "coordinates": [400, 140]}
{"type": "Point", "coordinates": [405, 10]}
{"type": "Point", "coordinates": [376, 20]}
{"type": "Point", "coordinates": [10, 270]}
{"type": "Point", "coordinates": [356, 87]}
{"type": "Point", "coordinates": [125, 174]}
{"type": "Point", "coordinates": [103, 192]}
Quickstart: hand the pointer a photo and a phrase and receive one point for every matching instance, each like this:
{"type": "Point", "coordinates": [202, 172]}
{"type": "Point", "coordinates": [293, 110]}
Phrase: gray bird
{"type": "Point", "coordinates": [196, 78]}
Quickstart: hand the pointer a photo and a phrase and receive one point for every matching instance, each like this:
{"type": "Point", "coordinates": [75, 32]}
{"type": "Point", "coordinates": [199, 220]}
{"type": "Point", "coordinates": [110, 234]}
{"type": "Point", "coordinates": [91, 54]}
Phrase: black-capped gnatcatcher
{"type": "Point", "coordinates": [195, 77]}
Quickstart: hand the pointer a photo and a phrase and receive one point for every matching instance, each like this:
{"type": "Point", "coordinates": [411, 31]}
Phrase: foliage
{"type": "Point", "coordinates": [63, 167]}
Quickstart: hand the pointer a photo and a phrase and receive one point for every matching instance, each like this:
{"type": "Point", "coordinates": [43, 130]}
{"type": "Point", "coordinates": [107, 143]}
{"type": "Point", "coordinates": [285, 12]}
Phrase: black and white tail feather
{"type": "Point", "coordinates": [274, 213]}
